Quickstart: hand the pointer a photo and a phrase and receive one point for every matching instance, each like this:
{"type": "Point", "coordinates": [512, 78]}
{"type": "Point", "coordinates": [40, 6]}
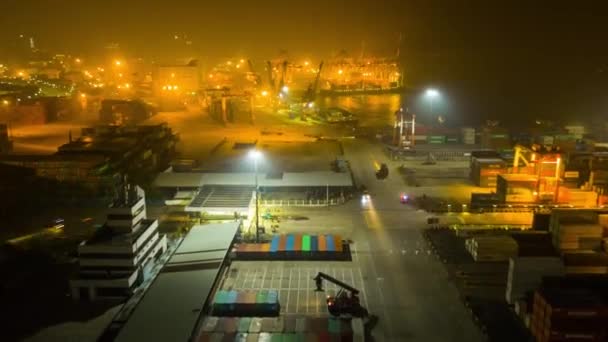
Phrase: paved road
{"type": "Point", "coordinates": [406, 285]}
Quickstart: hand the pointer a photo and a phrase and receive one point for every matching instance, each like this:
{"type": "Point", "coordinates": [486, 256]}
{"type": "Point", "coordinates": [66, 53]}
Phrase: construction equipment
{"type": "Point", "coordinates": [345, 302]}
{"type": "Point", "coordinates": [382, 172]}
{"type": "Point", "coordinates": [543, 162]}
{"type": "Point", "coordinates": [311, 92]}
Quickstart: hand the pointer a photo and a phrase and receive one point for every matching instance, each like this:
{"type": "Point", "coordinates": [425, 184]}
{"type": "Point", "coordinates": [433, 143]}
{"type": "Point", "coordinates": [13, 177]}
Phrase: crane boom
{"type": "Point", "coordinates": [333, 280]}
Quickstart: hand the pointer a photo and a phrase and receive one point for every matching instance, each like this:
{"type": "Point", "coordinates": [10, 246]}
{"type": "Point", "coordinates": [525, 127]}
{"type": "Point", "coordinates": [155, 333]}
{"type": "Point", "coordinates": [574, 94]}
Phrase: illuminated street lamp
{"type": "Point", "coordinates": [255, 155]}
{"type": "Point", "coordinates": [285, 89]}
{"type": "Point", "coordinates": [431, 94]}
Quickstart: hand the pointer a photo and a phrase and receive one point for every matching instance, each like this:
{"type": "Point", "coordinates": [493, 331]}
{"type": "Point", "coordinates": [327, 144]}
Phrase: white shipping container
{"type": "Point", "coordinates": [420, 137]}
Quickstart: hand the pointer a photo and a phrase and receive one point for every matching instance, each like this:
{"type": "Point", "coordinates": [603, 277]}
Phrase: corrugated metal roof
{"type": "Point", "coordinates": [197, 179]}
{"type": "Point", "coordinates": [171, 307]}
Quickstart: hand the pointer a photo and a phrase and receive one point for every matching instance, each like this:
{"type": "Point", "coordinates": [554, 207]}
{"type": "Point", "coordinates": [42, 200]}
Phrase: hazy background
{"type": "Point", "coordinates": [504, 59]}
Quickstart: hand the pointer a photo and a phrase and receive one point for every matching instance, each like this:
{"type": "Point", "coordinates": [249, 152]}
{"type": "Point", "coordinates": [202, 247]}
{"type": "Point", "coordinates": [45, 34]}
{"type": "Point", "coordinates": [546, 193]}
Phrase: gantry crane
{"type": "Point", "coordinates": [534, 158]}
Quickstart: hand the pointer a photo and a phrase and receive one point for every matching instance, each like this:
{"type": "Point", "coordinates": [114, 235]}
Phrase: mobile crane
{"type": "Point", "coordinates": [346, 301]}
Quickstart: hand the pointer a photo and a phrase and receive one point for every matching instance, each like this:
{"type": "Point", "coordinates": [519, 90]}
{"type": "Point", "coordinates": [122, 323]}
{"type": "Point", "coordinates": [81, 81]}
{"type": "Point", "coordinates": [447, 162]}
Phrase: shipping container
{"type": "Point", "coordinates": [331, 247]}
{"type": "Point", "coordinates": [244, 323]}
{"type": "Point", "coordinates": [282, 243]}
{"type": "Point", "coordinates": [436, 139]}
{"type": "Point", "coordinates": [289, 244]}
{"type": "Point", "coordinates": [298, 243]}
{"type": "Point", "coordinates": [306, 243]}
{"type": "Point", "coordinates": [322, 243]}
{"type": "Point", "coordinates": [338, 243]}
{"type": "Point", "coordinates": [256, 325]}
{"type": "Point", "coordinates": [314, 243]}
{"type": "Point", "coordinates": [274, 244]}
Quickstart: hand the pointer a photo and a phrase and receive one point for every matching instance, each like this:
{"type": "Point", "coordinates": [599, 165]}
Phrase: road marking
{"type": "Point", "coordinates": [307, 292]}
{"type": "Point", "coordinates": [264, 278]}
{"type": "Point", "coordinates": [298, 292]}
{"type": "Point", "coordinates": [288, 292]}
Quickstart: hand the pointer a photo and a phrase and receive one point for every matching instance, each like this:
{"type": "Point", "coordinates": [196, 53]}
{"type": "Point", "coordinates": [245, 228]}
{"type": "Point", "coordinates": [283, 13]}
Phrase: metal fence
{"type": "Point", "coordinates": [302, 202]}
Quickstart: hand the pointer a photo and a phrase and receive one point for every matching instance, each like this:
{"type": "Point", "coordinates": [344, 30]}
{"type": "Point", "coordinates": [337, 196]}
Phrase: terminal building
{"type": "Point", "coordinates": [118, 257]}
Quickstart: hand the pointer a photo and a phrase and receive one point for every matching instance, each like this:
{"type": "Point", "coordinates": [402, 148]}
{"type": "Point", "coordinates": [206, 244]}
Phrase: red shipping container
{"type": "Point", "coordinates": [282, 243]}
{"type": "Point", "coordinates": [297, 246]}
{"type": "Point", "coordinates": [338, 243]}
{"type": "Point", "coordinates": [322, 243]}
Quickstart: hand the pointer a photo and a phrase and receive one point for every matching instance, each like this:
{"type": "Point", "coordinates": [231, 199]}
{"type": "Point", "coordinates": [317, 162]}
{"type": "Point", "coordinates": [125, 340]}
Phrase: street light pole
{"type": "Point", "coordinates": [255, 155]}
{"type": "Point", "coordinates": [257, 202]}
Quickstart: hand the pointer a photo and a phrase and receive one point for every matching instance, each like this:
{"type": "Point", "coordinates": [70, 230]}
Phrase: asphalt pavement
{"type": "Point", "coordinates": [406, 285]}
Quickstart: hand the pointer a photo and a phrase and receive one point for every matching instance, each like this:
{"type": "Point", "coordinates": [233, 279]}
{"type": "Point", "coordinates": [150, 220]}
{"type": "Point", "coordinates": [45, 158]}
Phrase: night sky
{"type": "Point", "coordinates": [505, 59]}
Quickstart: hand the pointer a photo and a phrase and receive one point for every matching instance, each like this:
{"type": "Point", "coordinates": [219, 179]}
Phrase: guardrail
{"type": "Point", "coordinates": [301, 202]}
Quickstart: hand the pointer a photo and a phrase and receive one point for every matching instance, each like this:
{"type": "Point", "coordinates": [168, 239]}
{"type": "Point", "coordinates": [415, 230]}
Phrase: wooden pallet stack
{"type": "Point", "coordinates": [566, 315]}
{"type": "Point", "coordinates": [492, 248]}
{"type": "Point", "coordinates": [526, 274]}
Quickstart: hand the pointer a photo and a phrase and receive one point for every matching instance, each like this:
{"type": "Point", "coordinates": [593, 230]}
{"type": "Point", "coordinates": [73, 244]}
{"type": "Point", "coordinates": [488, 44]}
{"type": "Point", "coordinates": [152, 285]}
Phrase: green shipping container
{"type": "Point", "coordinates": [436, 139]}
{"type": "Point", "coordinates": [261, 297]}
{"type": "Point", "coordinates": [306, 243]}
{"type": "Point", "coordinates": [334, 325]}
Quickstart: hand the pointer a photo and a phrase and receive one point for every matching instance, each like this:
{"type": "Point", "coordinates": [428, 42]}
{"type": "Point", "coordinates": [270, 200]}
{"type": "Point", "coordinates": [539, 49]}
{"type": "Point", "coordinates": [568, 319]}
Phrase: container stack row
{"type": "Point", "coordinates": [295, 247]}
{"type": "Point", "coordinates": [561, 315]}
{"type": "Point", "coordinates": [284, 329]}
{"type": "Point", "coordinates": [246, 303]}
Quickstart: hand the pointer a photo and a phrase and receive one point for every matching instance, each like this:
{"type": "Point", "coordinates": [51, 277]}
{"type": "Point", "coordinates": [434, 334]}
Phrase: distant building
{"type": "Point", "coordinates": [91, 165]}
{"type": "Point", "coordinates": [124, 112]}
{"type": "Point", "coordinates": [179, 79]}
{"type": "Point", "coordinates": [118, 257]}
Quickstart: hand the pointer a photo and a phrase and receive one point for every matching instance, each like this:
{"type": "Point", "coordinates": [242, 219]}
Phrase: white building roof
{"type": "Point", "coordinates": [172, 305]}
{"type": "Point", "coordinates": [198, 179]}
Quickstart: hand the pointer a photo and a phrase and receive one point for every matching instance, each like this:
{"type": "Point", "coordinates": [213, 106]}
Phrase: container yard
{"type": "Point", "coordinates": [295, 247]}
{"type": "Point", "coordinates": [542, 284]}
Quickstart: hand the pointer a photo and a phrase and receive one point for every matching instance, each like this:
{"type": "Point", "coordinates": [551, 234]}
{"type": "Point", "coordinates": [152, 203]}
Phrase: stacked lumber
{"type": "Point", "coordinates": [492, 248]}
{"type": "Point", "coordinates": [526, 274]}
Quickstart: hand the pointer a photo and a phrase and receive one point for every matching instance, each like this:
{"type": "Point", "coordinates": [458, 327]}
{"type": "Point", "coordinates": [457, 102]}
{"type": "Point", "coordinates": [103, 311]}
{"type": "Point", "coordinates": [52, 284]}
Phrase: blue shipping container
{"type": "Point", "coordinates": [290, 243]}
{"type": "Point", "coordinates": [274, 245]}
{"type": "Point", "coordinates": [314, 243]}
{"type": "Point", "coordinates": [331, 247]}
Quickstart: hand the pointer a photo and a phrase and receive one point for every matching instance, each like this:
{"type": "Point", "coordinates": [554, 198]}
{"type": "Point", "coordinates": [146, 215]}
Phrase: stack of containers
{"type": "Point", "coordinates": [306, 245]}
{"type": "Point", "coordinates": [246, 303]}
{"type": "Point", "coordinates": [260, 301]}
{"type": "Point", "coordinates": [586, 262]}
{"type": "Point", "coordinates": [566, 315]}
{"type": "Point", "coordinates": [322, 249]}
{"type": "Point", "coordinates": [294, 247]}
{"type": "Point", "coordinates": [282, 250]}
{"type": "Point", "coordinates": [436, 139]}
{"type": "Point", "coordinates": [492, 248]}
{"type": "Point", "coordinates": [495, 138]}
{"type": "Point", "coordinates": [279, 329]}
{"type": "Point", "coordinates": [314, 246]}
{"type": "Point", "coordinates": [525, 275]}
{"type": "Point", "coordinates": [331, 247]}
{"type": "Point", "coordinates": [290, 246]}
{"type": "Point", "coordinates": [577, 236]}
{"type": "Point", "coordinates": [468, 136]}
{"type": "Point", "coordinates": [484, 171]}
